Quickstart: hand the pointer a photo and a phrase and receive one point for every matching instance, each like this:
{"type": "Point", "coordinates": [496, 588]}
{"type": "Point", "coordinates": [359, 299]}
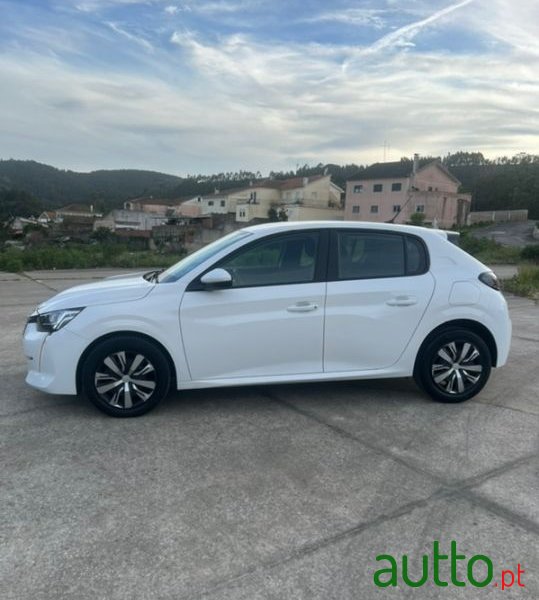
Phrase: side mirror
{"type": "Point", "coordinates": [216, 279]}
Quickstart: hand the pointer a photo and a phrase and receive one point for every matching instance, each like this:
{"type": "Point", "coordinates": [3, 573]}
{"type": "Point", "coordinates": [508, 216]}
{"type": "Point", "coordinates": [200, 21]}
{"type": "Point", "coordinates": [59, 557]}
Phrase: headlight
{"type": "Point", "coordinates": [55, 319]}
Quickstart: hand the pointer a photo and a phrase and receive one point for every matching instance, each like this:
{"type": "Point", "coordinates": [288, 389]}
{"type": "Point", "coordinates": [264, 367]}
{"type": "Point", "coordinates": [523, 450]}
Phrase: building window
{"type": "Point", "coordinates": [374, 208]}
{"type": "Point", "coordinates": [420, 208]}
{"type": "Point", "coordinates": [396, 187]}
{"type": "Point", "coordinates": [430, 188]}
{"type": "Point", "coordinates": [355, 209]}
{"type": "Point", "coordinates": [358, 189]}
{"type": "Point", "coordinates": [252, 197]}
{"type": "Point", "coordinates": [210, 202]}
{"type": "Point", "coordinates": [223, 203]}
{"type": "Point", "coordinates": [377, 187]}
{"type": "Point", "coordinates": [396, 208]}
{"type": "Point", "coordinates": [242, 213]}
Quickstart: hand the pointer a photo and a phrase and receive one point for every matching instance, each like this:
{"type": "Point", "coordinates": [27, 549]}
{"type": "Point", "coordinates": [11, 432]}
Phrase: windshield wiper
{"type": "Point", "coordinates": [152, 276]}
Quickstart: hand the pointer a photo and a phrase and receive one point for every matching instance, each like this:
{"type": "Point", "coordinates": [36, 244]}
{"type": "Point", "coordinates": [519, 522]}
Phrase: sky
{"type": "Point", "coordinates": [206, 86]}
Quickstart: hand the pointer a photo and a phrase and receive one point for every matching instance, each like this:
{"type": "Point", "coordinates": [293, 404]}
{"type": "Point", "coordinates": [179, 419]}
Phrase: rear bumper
{"type": "Point", "coordinates": [501, 328]}
{"type": "Point", "coordinates": [503, 342]}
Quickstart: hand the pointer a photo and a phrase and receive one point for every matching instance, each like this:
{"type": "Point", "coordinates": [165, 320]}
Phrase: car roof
{"type": "Point", "coordinates": [276, 227]}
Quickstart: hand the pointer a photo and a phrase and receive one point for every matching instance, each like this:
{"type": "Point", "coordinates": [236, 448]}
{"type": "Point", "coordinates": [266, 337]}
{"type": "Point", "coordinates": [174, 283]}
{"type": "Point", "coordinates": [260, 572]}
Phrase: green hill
{"type": "Point", "coordinates": [502, 183]}
{"type": "Point", "coordinates": [55, 187]}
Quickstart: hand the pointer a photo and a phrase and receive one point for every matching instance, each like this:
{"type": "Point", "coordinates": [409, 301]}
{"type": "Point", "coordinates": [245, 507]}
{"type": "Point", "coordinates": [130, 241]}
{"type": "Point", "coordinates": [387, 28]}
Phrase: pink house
{"type": "Point", "coordinates": [393, 191]}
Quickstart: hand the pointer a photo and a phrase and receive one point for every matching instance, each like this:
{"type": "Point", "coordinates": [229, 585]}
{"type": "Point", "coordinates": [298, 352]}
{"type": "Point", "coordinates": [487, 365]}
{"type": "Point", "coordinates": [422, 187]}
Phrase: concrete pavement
{"type": "Point", "coordinates": [277, 492]}
{"type": "Point", "coordinates": [509, 233]}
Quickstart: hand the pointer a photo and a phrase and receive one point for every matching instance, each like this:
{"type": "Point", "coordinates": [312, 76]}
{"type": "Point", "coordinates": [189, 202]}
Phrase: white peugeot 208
{"type": "Point", "coordinates": [282, 302]}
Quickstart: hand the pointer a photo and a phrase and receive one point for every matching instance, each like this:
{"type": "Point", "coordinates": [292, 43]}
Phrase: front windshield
{"type": "Point", "coordinates": [192, 261]}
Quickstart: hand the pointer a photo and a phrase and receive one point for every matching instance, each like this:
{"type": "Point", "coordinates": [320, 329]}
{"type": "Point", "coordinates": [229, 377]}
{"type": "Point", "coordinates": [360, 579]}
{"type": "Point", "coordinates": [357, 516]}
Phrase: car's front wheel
{"type": "Point", "coordinates": [125, 376]}
{"type": "Point", "coordinates": [454, 366]}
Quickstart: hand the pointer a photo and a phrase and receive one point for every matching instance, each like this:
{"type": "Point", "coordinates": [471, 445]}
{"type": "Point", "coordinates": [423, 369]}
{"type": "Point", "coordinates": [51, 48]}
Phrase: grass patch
{"type": "Point", "coordinates": [526, 283]}
{"type": "Point", "coordinates": [82, 257]}
{"type": "Point", "coordinates": [488, 251]}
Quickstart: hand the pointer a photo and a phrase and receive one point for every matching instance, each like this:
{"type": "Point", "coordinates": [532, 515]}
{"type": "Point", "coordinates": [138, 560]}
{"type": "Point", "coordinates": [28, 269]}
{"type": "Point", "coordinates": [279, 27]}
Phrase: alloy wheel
{"type": "Point", "coordinates": [457, 367]}
{"type": "Point", "coordinates": [125, 379]}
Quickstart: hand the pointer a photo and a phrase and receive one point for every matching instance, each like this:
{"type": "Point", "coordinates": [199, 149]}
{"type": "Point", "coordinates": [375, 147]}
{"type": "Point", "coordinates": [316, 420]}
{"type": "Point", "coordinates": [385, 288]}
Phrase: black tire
{"type": "Point", "coordinates": [454, 366]}
{"type": "Point", "coordinates": [125, 376]}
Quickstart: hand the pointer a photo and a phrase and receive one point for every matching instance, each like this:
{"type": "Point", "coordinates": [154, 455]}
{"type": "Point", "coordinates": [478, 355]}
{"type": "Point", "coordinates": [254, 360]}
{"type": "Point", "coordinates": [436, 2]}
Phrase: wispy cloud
{"type": "Point", "coordinates": [96, 5]}
{"type": "Point", "coordinates": [512, 23]}
{"type": "Point", "coordinates": [211, 97]}
{"type": "Point", "coordinates": [351, 16]}
{"type": "Point", "coordinates": [223, 6]}
{"type": "Point", "coordinates": [404, 35]}
{"type": "Point", "coordinates": [137, 39]}
{"type": "Point", "coordinates": [173, 9]}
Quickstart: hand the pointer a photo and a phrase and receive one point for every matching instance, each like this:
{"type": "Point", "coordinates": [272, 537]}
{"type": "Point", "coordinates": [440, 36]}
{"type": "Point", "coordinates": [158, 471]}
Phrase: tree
{"type": "Point", "coordinates": [275, 214]}
{"type": "Point", "coordinates": [272, 214]}
{"type": "Point", "coordinates": [15, 203]}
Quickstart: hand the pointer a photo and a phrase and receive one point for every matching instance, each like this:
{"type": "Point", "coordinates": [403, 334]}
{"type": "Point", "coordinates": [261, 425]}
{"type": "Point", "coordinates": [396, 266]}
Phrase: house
{"type": "Point", "coordinates": [18, 225]}
{"type": "Point", "coordinates": [149, 204]}
{"type": "Point", "coordinates": [79, 211]}
{"type": "Point", "coordinates": [76, 219]}
{"type": "Point", "coordinates": [393, 191]}
{"type": "Point", "coordinates": [46, 217]}
{"type": "Point", "coordinates": [199, 206]}
{"type": "Point", "coordinates": [302, 198]}
{"type": "Point", "coordinates": [129, 220]}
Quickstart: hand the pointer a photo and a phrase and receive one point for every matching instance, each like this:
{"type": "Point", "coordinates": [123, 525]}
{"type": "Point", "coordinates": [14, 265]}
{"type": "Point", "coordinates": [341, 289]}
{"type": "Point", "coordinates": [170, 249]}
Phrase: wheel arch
{"type": "Point", "coordinates": [474, 326]}
{"type": "Point", "coordinates": [133, 334]}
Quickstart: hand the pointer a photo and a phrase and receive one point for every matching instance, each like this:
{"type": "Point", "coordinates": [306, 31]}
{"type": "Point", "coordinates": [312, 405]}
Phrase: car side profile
{"type": "Point", "coordinates": [276, 303]}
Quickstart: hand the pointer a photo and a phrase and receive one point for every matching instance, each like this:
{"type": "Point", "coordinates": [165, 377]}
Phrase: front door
{"type": "Point", "coordinates": [270, 322]}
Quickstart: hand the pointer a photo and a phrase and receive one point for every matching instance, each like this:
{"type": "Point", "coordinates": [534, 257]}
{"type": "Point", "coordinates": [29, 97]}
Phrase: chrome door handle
{"type": "Point", "coordinates": [402, 301]}
{"type": "Point", "coordinates": [302, 307]}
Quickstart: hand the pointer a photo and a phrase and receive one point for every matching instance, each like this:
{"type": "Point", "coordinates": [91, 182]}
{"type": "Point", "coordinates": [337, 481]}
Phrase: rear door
{"type": "Point", "coordinates": [379, 287]}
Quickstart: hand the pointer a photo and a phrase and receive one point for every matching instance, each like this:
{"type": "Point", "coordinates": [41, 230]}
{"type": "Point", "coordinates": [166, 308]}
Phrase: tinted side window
{"type": "Point", "coordinates": [283, 259]}
{"type": "Point", "coordinates": [362, 255]}
{"type": "Point", "coordinates": [416, 257]}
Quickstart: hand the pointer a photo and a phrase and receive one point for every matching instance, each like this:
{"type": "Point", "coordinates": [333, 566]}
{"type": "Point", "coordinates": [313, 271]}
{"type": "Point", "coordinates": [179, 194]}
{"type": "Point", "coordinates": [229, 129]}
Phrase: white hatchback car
{"type": "Point", "coordinates": [282, 302]}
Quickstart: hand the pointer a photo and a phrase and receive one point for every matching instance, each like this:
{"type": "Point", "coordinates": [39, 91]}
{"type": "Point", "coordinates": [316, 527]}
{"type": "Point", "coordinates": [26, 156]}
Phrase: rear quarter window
{"type": "Point", "coordinates": [416, 256]}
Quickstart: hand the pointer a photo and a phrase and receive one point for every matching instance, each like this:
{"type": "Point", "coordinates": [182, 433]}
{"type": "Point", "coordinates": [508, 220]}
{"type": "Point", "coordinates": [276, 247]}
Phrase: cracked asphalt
{"type": "Point", "coordinates": [275, 492]}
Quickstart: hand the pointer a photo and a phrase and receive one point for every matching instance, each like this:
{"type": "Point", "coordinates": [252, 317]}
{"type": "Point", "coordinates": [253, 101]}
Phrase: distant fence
{"type": "Point", "coordinates": [496, 216]}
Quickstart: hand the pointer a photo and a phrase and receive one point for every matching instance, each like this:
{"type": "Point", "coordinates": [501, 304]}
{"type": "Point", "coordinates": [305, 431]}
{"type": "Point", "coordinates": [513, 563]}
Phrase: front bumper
{"type": "Point", "coordinates": [52, 359]}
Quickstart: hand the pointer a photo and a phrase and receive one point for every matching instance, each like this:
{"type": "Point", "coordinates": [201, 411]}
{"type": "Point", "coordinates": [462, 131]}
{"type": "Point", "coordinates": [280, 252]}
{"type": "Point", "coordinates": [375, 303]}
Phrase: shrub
{"type": "Point", "coordinates": [488, 251]}
{"type": "Point", "coordinates": [82, 257]}
{"type": "Point", "coordinates": [531, 253]}
{"type": "Point", "coordinates": [11, 261]}
{"type": "Point", "coordinates": [526, 283]}
{"type": "Point", "coordinates": [417, 218]}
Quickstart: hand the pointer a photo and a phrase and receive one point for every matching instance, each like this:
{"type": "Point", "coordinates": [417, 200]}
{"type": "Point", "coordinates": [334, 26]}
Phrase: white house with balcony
{"type": "Point", "coordinates": [302, 198]}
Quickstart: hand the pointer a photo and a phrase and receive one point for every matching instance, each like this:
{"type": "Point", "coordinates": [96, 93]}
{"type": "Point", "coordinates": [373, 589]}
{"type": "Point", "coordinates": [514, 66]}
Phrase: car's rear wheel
{"type": "Point", "coordinates": [454, 366]}
{"type": "Point", "coordinates": [125, 376]}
